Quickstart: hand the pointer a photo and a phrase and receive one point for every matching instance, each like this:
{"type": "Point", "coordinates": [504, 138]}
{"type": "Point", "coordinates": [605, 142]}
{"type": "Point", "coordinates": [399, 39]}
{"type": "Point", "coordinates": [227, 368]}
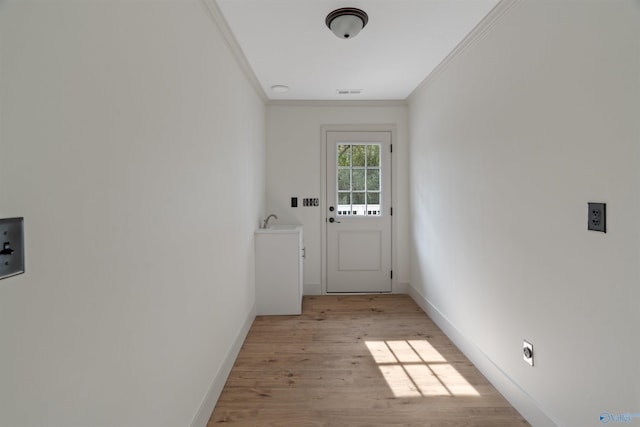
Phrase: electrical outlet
{"type": "Point", "coordinates": [597, 217]}
{"type": "Point", "coordinates": [527, 352]}
{"type": "Point", "coordinates": [11, 247]}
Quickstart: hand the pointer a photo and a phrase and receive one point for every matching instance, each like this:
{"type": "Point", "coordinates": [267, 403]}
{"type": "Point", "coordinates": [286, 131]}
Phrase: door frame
{"type": "Point", "coordinates": [392, 128]}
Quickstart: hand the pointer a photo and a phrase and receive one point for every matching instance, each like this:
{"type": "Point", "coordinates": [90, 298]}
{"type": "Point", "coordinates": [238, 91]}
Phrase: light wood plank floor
{"type": "Point", "coordinates": [370, 360]}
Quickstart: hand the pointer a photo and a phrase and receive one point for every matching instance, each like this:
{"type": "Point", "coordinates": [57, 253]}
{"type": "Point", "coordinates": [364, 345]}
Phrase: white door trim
{"type": "Point", "coordinates": [323, 192]}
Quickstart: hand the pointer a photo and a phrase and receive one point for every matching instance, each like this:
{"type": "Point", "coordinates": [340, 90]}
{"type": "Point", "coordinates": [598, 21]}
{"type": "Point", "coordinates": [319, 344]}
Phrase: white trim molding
{"type": "Point", "coordinates": [382, 127]}
{"type": "Point", "coordinates": [528, 407]}
{"type": "Point", "coordinates": [232, 43]}
{"type": "Point", "coordinates": [201, 418]}
{"type": "Point", "coordinates": [474, 36]}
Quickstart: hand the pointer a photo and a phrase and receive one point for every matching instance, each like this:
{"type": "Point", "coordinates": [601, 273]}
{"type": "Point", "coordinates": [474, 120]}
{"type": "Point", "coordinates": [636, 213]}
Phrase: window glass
{"type": "Point", "coordinates": [358, 179]}
{"type": "Point", "coordinates": [344, 182]}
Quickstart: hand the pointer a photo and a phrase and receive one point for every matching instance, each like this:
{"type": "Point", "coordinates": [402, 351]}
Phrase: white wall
{"type": "Point", "coordinates": [127, 126]}
{"type": "Point", "coordinates": [294, 143]}
{"type": "Point", "coordinates": [508, 144]}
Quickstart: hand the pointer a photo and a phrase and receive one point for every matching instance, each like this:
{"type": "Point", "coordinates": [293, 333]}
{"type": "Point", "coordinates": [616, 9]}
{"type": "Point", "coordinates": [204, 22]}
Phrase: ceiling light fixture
{"type": "Point", "coordinates": [346, 22]}
{"type": "Point", "coordinates": [280, 88]}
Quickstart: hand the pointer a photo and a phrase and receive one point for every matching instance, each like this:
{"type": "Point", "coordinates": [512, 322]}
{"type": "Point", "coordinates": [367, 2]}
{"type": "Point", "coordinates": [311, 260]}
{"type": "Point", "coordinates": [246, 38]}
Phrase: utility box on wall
{"type": "Point", "coordinates": [11, 247]}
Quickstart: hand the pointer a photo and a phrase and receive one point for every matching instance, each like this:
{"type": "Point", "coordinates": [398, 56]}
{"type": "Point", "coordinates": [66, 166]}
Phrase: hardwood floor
{"type": "Point", "coordinates": [370, 360]}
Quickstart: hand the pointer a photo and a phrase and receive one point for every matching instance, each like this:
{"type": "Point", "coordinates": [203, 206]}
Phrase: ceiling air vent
{"type": "Point", "coordinates": [349, 91]}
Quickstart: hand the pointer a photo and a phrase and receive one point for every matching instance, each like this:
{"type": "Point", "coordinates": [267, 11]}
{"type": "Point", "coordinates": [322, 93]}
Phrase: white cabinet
{"type": "Point", "coordinates": [279, 262]}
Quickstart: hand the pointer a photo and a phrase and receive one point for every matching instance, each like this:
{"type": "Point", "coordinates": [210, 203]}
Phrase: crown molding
{"type": "Point", "coordinates": [474, 36]}
{"type": "Point", "coordinates": [478, 33]}
{"type": "Point", "coordinates": [220, 22]}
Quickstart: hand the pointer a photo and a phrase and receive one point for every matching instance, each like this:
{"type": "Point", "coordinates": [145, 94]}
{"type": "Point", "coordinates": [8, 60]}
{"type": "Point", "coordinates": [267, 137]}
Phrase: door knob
{"type": "Point", "coordinates": [334, 220]}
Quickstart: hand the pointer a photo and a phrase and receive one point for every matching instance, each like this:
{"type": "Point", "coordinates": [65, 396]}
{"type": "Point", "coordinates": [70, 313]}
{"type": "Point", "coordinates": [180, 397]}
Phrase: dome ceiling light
{"type": "Point", "coordinates": [280, 88]}
{"type": "Point", "coordinates": [346, 22]}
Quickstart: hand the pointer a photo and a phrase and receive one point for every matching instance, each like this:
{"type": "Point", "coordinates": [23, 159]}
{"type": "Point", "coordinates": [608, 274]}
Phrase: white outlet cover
{"type": "Point", "coordinates": [527, 345]}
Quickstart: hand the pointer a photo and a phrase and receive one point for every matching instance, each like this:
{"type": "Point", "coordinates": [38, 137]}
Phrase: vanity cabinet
{"type": "Point", "coordinates": [279, 262]}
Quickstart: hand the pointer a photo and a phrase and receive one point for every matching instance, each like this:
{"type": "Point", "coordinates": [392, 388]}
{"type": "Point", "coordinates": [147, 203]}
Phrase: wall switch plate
{"type": "Point", "coordinates": [11, 247]}
{"type": "Point", "coordinates": [527, 352]}
{"type": "Point", "coordinates": [597, 217]}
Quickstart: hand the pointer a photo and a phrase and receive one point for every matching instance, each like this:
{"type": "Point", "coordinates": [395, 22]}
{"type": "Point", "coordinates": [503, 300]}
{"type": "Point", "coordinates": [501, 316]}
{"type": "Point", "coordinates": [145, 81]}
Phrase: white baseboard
{"type": "Point", "coordinates": [517, 397]}
{"type": "Point", "coordinates": [209, 402]}
{"type": "Point", "coordinates": [312, 289]}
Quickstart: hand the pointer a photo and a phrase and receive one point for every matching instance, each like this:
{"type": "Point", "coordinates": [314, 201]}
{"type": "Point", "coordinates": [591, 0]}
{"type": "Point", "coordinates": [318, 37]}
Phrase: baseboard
{"type": "Point", "coordinates": [312, 289]}
{"type": "Point", "coordinates": [209, 402]}
{"type": "Point", "coordinates": [517, 397]}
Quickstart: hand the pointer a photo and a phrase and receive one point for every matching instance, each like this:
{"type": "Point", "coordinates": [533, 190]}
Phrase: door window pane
{"type": "Point", "coordinates": [344, 198]}
{"type": "Point", "coordinates": [343, 180]}
{"type": "Point", "coordinates": [373, 179]}
{"type": "Point", "coordinates": [373, 198]}
{"type": "Point", "coordinates": [358, 179]}
{"type": "Point", "coordinates": [358, 198]}
{"type": "Point", "coordinates": [344, 155]}
{"type": "Point", "coordinates": [373, 155]}
{"type": "Point", "coordinates": [359, 158]}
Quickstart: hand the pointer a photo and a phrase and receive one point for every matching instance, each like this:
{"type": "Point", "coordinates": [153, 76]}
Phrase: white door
{"type": "Point", "coordinates": [358, 211]}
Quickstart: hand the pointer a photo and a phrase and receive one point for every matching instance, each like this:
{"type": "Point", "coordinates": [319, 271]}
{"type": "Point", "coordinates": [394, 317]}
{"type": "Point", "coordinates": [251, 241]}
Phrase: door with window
{"type": "Point", "coordinates": [358, 211]}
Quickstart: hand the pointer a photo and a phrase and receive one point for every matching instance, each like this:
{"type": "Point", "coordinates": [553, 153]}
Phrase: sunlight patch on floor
{"type": "Point", "coordinates": [414, 368]}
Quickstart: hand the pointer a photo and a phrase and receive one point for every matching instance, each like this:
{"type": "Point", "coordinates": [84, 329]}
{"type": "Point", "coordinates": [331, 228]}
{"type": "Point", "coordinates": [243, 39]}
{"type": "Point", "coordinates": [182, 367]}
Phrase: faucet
{"type": "Point", "coordinates": [265, 224]}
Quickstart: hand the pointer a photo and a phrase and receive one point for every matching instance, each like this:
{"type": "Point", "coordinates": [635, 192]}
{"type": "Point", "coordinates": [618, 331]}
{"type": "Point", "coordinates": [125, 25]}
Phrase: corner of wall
{"type": "Point", "coordinates": [221, 24]}
{"type": "Point", "coordinates": [312, 289]}
{"type": "Point", "coordinates": [208, 404]}
{"type": "Point", "coordinates": [519, 398]}
{"type": "Point", "coordinates": [401, 288]}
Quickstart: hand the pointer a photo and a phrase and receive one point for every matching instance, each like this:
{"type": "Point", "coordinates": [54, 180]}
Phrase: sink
{"type": "Point", "coordinates": [275, 228]}
{"type": "Point", "coordinates": [284, 227]}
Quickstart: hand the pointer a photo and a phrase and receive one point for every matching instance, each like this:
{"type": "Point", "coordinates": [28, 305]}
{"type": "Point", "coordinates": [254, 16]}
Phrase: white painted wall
{"type": "Point", "coordinates": [127, 126]}
{"type": "Point", "coordinates": [294, 143]}
{"type": "Point", "coordinates": [509, 142]}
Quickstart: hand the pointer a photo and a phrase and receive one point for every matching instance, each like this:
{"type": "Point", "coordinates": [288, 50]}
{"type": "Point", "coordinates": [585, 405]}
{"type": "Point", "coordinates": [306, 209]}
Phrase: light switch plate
{"type": "Point", "coordinates": [11, 247]}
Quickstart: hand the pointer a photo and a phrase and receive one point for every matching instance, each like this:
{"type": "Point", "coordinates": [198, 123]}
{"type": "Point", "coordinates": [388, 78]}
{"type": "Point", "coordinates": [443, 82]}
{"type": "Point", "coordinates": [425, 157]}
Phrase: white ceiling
{"type": "Point", "coordinates": [286, 42]}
